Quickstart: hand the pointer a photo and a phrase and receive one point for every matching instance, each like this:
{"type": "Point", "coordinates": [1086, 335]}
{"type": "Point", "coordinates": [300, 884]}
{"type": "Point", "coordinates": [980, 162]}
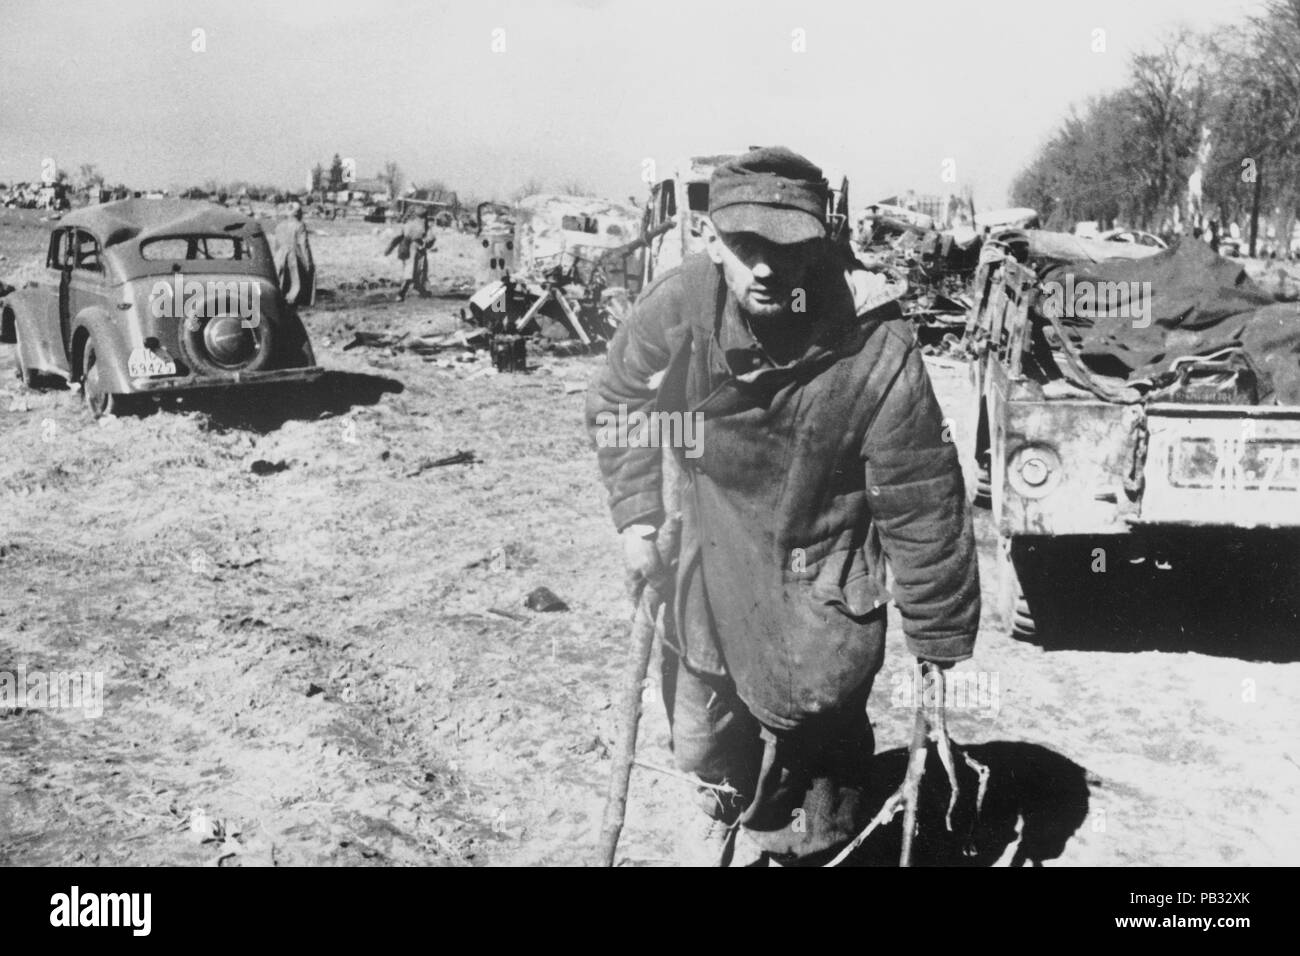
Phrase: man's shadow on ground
{"type": "Point", "coordinates": [265, 408]}
{"type": "Point", "coordinates": [1034, 801]}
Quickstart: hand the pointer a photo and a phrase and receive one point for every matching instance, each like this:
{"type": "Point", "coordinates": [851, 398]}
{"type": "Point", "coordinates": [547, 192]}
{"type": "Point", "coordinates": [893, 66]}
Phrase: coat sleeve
{"type": "Point", "coordinates": [918, 505]}
{"type": "Point", "coordinates": [638, 355]}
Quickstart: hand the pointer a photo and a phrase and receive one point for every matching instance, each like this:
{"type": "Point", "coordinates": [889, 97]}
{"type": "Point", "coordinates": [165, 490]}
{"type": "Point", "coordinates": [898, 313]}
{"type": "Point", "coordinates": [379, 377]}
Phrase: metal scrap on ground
{"type": "Point", "coordinates": [460, 458]}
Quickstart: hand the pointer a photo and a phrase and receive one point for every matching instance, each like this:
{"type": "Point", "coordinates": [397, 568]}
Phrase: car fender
{"type": "Point", "coordinates": [24, 313]}
{"type": "Point", "coordinates": [112, 349]}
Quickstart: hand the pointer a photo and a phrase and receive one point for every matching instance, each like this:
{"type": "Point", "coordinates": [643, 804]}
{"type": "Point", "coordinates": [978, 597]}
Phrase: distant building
{"type": "Point", "coordinates": [938, 208]}
{"type": "Point", "coordinates": [368, 189]}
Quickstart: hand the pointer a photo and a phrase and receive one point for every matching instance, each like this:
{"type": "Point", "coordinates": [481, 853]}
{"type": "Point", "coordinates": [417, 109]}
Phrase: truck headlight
{"type": "Point", "coordinates": [1034, 471]}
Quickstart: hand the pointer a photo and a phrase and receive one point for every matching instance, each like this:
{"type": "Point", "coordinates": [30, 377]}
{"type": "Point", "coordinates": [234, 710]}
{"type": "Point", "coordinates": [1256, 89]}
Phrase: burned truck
{"type": "Point", "coordinates": [1138, 414]}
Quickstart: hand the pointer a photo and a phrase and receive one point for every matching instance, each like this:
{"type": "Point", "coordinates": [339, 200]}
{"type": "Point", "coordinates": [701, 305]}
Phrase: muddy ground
{"type": "Point", "coordinates": [326, 659]}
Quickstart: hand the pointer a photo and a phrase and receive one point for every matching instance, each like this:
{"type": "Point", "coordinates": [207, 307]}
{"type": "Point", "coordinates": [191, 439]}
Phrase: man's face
{"type": "Point", "coordinates": [761, 274]}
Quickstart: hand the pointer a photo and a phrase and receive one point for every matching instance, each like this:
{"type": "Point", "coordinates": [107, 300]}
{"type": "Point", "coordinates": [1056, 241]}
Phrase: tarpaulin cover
{"type": "Point", "coordinates": [1198, 303]}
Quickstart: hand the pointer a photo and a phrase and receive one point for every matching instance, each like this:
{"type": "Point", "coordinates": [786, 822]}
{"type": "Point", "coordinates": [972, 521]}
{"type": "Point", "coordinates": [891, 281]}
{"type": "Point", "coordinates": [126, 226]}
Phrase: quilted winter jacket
{"type": "Point", "coordinates": [805, 479]}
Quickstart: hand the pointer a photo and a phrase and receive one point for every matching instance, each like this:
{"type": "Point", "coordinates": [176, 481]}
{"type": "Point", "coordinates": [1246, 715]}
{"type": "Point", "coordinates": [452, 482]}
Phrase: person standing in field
{"type": "Point", "coordinates": [294, 265]}
{"type": "Point", "coordinates": [819, 454]}
{"type": "Point", "coordinates": [412, 245]}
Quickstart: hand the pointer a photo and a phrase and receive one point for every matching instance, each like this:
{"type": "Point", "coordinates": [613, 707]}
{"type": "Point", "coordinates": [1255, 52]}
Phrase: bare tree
{"type": "Point", "coordinates": [1256, 155]}
{"type": "Point", "coordinates": [530, 187]}
{"type": "Point", "coordinates": [88, 176]}
{"type": "Point", "coordinates": [1168, 97]}
{"type": "Point", "coordinates": [1086, 170]}
{"type": "Point", "coordinates": [392, 177]}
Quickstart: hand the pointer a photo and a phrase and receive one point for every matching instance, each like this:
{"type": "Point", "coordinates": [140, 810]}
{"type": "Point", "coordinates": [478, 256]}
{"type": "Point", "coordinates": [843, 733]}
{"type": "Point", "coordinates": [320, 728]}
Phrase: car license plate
{"type": "Point", "coordinates": [1230, 464]}
{"type": "Point", "coordinates": [145, 363]}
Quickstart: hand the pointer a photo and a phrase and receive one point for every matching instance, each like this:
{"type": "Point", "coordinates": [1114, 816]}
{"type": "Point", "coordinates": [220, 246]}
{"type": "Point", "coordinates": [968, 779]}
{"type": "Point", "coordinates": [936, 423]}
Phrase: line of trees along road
{"type": "Point", "coordinates": [1207, 127]}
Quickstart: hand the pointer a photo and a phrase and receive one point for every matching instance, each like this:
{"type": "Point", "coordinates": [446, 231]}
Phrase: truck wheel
{"type": "Point", "coordinates": [1022, 619]}
{"type": "Point", "coordinates": [1013, 606]}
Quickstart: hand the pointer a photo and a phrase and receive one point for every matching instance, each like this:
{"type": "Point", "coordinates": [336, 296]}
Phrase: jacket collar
{"type": "Point", "coordinates": [837, 330]}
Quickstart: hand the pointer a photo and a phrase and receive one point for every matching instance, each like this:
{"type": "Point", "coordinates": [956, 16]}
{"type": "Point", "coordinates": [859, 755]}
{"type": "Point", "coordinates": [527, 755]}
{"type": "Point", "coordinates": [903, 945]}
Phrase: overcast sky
{"type": "Point", "coordinates": [583, 91]}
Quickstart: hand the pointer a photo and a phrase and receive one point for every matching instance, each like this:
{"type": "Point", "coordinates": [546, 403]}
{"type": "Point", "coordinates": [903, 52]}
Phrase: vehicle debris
{"type": "Point", "coordinates": [1127, 397]}
{"type": "Point", "coordinates": [422, 345]}
{"type": "Point", "coordinates": [927, 271]}
{"type": "Point", "coordinates": [558, 267]}
{"type": "Point", "coordinates": [460, 458]}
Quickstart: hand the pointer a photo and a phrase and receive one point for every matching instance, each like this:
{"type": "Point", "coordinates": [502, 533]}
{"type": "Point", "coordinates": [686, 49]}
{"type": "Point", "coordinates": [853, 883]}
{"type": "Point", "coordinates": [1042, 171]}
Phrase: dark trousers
{"type": "Point", "coordinates": [800, 791]}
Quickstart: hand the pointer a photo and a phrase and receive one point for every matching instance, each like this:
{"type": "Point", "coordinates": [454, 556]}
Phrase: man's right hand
{"type": "Point", "coordinates": [641, 559]}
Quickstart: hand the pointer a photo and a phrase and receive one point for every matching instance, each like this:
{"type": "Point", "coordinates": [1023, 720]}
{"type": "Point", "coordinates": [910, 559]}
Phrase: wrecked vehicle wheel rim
{"type": "Point", "coordinates": [19, 368]}
{"type": "Point", "coordinates": [228, 342]}
{"type": "Point", "coordinates": [96, 399]}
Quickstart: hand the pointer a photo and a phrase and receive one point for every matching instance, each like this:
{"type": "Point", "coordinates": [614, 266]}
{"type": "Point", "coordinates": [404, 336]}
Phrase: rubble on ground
{"type": "Point", "coordinates": [932, 271]}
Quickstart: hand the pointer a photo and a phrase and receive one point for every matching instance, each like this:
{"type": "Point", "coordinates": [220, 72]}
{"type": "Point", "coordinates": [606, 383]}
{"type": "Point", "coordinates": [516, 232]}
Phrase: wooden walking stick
{"type": "Point", "coordinates": [644, 620]}
{"type": "Point", "coordinates": [652, 606]}
{"type": "Point", "coordinates": [931, 724]}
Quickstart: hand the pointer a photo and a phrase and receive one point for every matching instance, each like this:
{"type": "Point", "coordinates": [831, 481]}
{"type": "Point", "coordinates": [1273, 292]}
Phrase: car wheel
{"type": "Point", "coordinates": [99, 401]}
{"type": "Point", "coordinates": [24, 374]}
{"type": "Point", "coordinates": [220, 346]}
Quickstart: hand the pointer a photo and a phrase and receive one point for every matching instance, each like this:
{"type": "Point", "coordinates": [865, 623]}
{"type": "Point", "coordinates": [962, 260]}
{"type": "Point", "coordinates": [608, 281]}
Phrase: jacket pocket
{"type": "Point", "coordinates": [852, 580]}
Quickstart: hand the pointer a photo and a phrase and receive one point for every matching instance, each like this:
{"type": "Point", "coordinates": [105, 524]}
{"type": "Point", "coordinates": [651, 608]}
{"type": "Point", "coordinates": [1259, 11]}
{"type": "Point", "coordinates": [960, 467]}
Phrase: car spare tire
{"type": "Point", "coordinates": [221, 345]}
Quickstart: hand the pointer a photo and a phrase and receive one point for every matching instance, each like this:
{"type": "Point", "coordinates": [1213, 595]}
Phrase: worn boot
{"type": "Point", "coordinates": [707, 842]}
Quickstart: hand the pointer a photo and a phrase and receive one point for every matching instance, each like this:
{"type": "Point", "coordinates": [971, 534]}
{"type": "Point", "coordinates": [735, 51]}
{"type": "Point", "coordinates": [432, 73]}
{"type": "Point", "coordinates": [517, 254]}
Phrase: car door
{"type": "Point", "coordinates": [85, 280]}
{"type": "Point", "coordinates": [53, 334]}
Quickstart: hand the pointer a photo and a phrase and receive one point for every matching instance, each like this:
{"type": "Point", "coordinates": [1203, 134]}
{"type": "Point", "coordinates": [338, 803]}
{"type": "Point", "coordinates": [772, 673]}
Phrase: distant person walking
{"type": "Point", "coordinates": [412, 245]}
{"type": "Point", "coordinates": [294, 266]}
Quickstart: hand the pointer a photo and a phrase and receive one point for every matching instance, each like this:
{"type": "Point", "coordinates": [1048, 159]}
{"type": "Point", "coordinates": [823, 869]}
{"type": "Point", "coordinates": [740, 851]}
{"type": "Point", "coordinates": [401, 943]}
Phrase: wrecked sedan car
{"type": "Point", "coordinates": [148, 297]}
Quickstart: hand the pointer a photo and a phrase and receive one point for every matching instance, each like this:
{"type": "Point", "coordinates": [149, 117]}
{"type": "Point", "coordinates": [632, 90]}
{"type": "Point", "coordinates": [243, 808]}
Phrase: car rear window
{"type": "Point", "coordinates": [196, 247]}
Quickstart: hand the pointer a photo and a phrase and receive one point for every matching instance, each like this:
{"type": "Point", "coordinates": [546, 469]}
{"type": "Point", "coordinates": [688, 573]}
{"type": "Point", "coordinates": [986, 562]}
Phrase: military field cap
{"type": "Point", "coordinates": [773, 192]}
